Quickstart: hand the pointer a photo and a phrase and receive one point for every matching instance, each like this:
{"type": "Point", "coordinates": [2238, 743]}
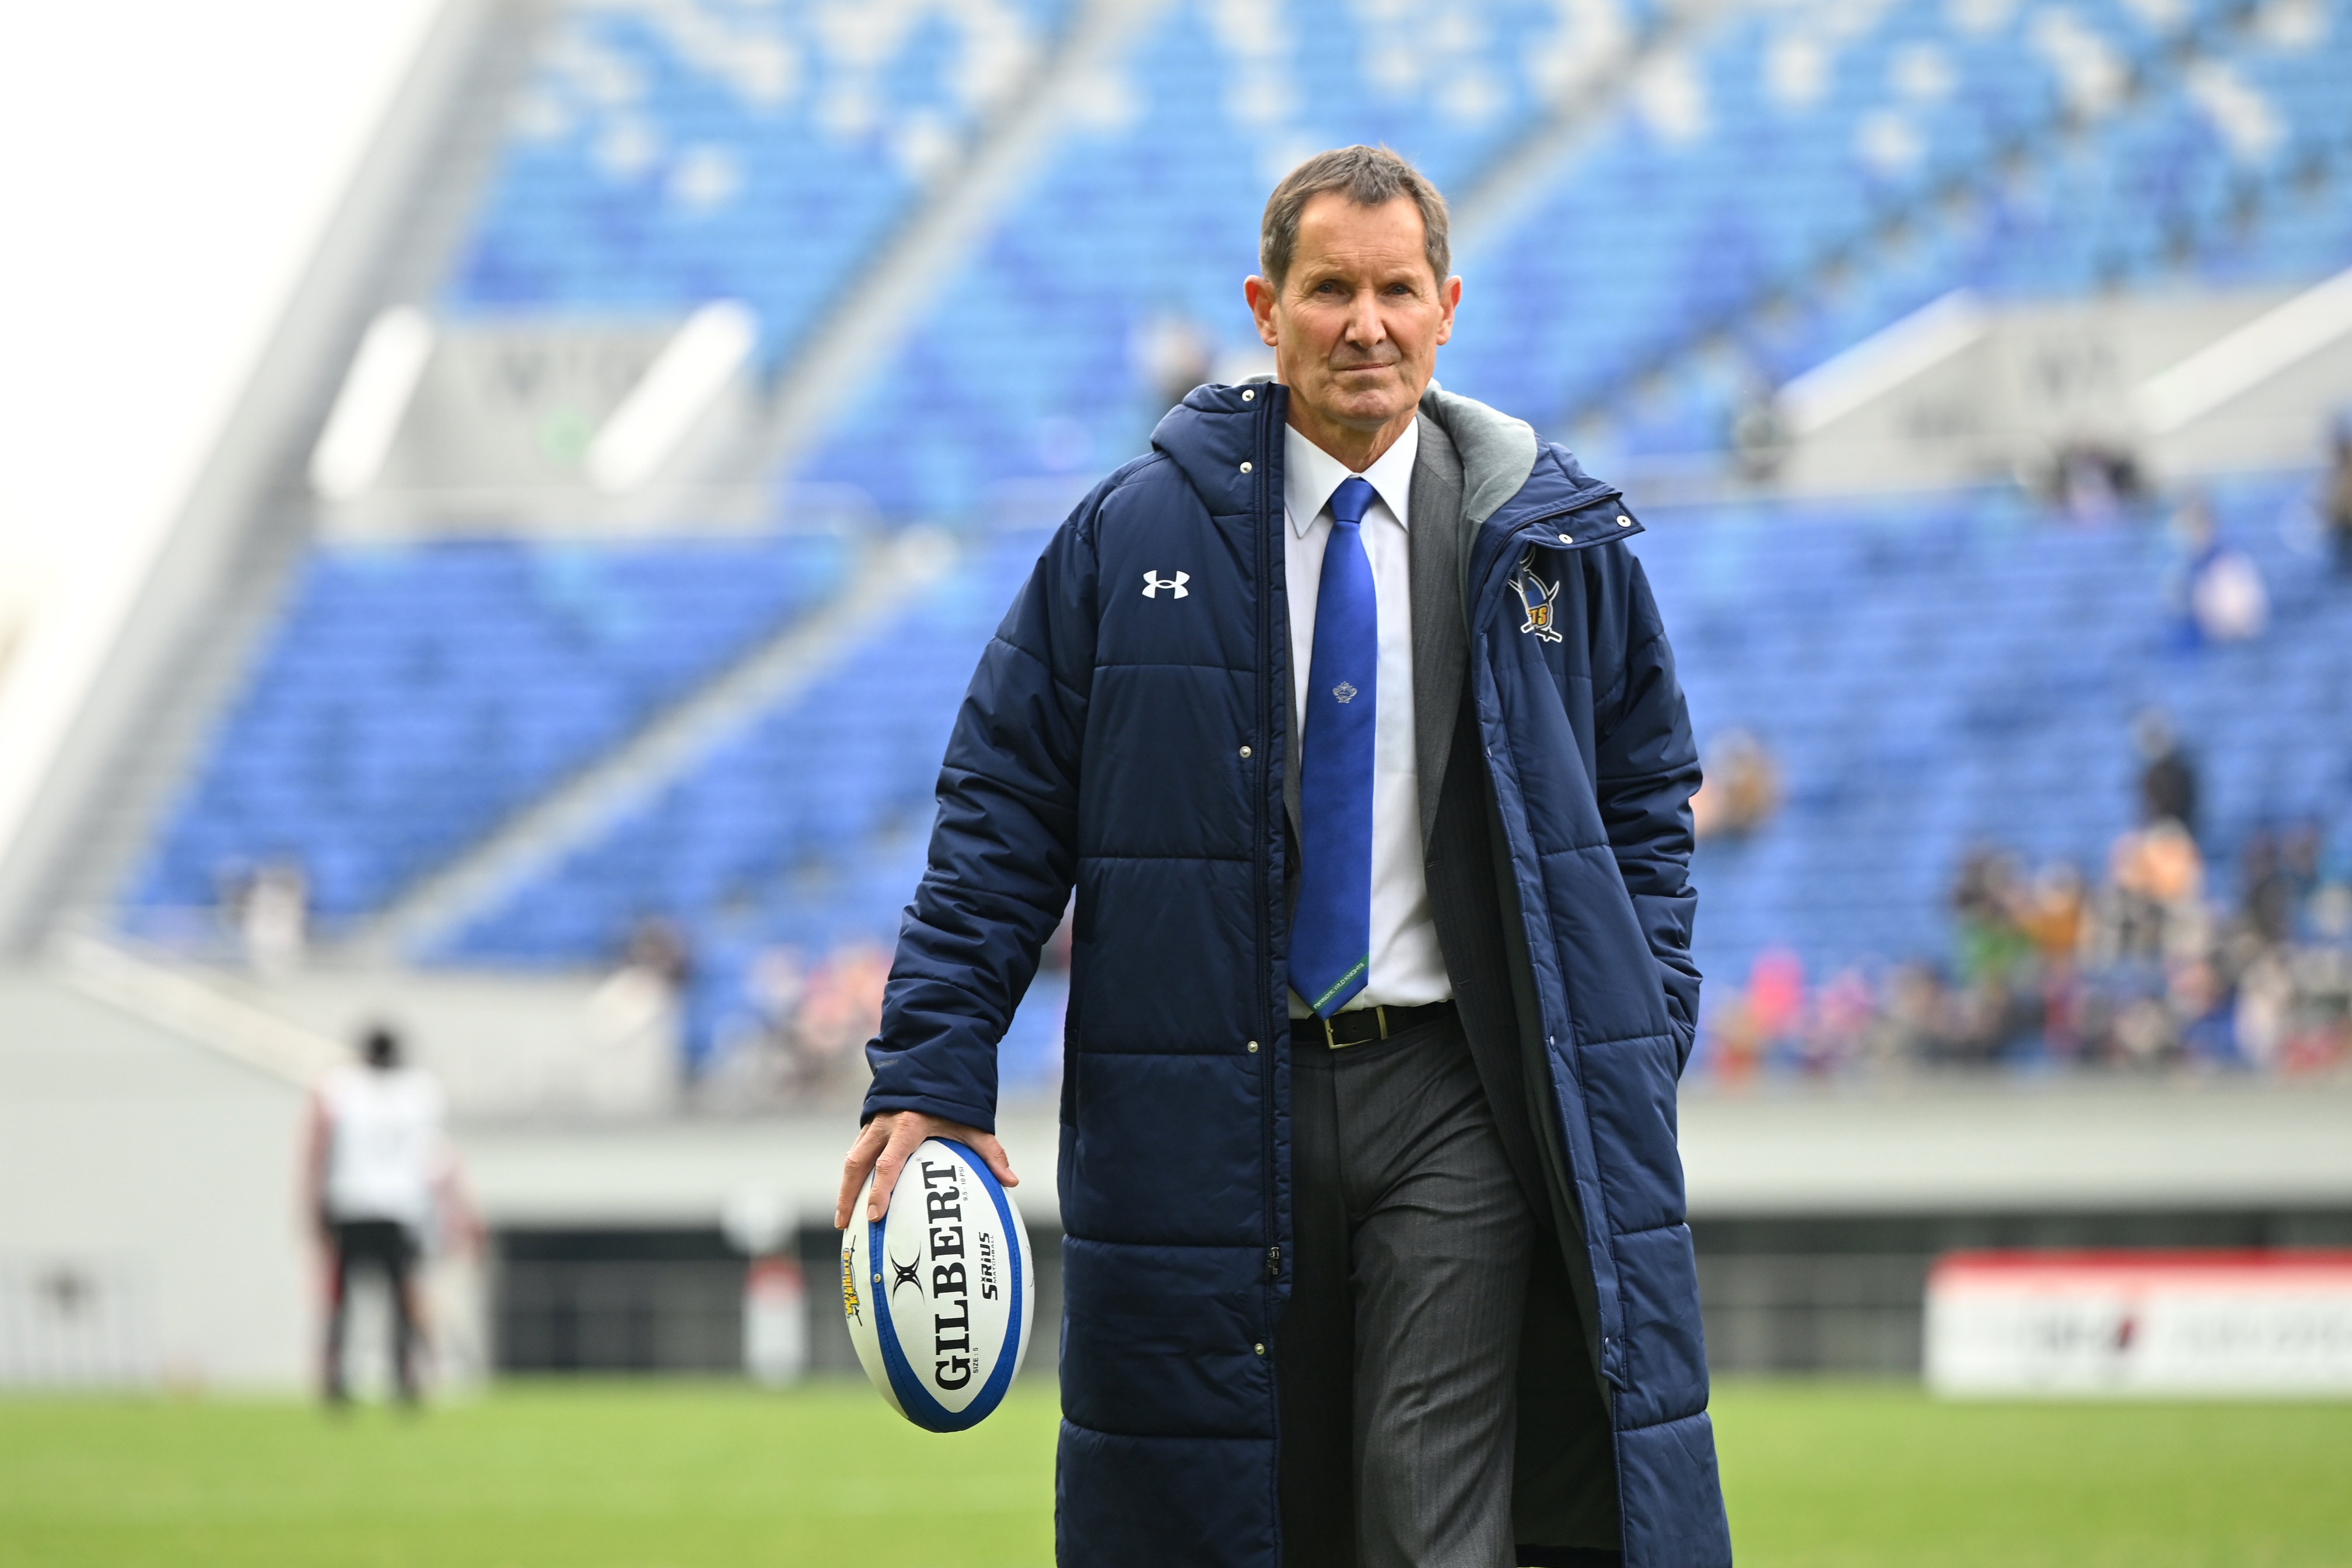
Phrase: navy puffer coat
{"type": "Point", "coordinates": [1130, 744]}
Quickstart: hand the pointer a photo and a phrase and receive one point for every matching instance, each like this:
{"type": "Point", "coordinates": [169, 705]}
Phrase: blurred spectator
{"type": "Point", "coordinates": [2276, 872]}
{"type": "Point", "coordinates": [2336, 506]}
{"type": "Point", "coordinates": [1761, 1019]}
{"type": "Point", "coordinates": [2266, 1008]}
{"type": "Point", "coordinates": [1984, 900]}
{"type": "Point", "coordinates": [1919, 1015]}
{"type": "Point", "coordinates": [658, 948]}
{"type": "Point", "coordinates": [776, 985]}
{"type": "Point", "coordinates": [1741, 789]}
{"type": "Point", "coordinates": [2156, 878]}
{"type": "Point", "coordinates": [646, 991]}
{"type": "Point", "coordinates": [1999, 999]}
{"type": "Point", "coordinates": [272, 909]}
{"type": "Point", "coordinates": [1759, 442]}
{"type": "Point", "coordinates": [754, 1061]}
{"type": "Point", "coordinates": [2137, 974]}
{"type": "Point", "coordinates": [384, 1189]}
{"type": "Point", "coordinates": [1174, 354]}
{"type": "Point", "coordinates": [843, 1006]}
{"type": "Point", "coordinates": [1843, 1023]}
{"type": "Point", "coordinates": [2168, 779]}
{"type": "Point", "coordinates": [2331, 899]}
{"type": "Point", "coordinates": [788, 1026]}
{"type": "Point", "coordinates": [2092, 481]}
{"type": "Point", "coordinates": [2219, 592]}
{"type": "Point", "coordinates": [2202, 1004]}
{"type": "Point", "coordinates": [2052, 915]}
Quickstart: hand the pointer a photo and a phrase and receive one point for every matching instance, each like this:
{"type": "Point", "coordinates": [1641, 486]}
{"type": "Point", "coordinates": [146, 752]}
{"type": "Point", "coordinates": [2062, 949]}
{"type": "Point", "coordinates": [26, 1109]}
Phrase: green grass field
{"type": "Point", "coordinates": [684, 1476]}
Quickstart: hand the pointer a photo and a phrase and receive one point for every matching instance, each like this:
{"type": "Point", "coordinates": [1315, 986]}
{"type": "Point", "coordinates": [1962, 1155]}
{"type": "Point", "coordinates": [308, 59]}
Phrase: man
{"type": "Point", "coordinates": [2337, 501]}
{"type": "Point", "coordinates": [379, 1171]}
{"type": "Point", "coordinates": [1351, 720]}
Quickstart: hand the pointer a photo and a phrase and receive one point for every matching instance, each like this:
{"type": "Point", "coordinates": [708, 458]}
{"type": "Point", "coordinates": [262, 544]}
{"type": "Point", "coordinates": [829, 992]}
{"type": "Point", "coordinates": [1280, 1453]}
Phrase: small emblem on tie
{"type": "Point", "coordinates": [1153, 582]}
{"type": "Point", "coordinates": [1345, 691]}
{"type": "Point", "coordinates": [1537, 597]}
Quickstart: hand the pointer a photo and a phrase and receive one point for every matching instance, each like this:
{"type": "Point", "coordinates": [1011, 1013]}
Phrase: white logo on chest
{"type": "Point", "coordinates": [1153, 582]}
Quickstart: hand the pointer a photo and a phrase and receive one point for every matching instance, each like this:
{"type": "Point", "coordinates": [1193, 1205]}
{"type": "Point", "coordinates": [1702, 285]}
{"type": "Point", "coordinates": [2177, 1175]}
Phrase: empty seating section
{"type": "Point", "coordinates": [1788, 191]}
{"type": "Point", "coordinates": [1931, 676]}
{"type": "Point", "coordinates": [809, 831]}
{"type": "Point", "coordinates": [1035, 358]}
{"type": "Point", "coordinates": [413, 698]}
{"type": "Point", "coordinates": [670, 151]}
{"type": "Point", "coordinates": [1928, 675]}
{"type": "Point", "coordinates": [1771, 191]}
{"type": "Point", "coordinates": [1772, 188]}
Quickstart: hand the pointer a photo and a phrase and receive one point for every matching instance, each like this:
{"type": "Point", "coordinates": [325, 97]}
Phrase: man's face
{"type": "Point", "coordinates": [1356, 325]}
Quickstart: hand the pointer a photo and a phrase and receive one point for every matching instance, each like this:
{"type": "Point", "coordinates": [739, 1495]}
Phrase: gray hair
{"type": "Point", "coordinates": [1367, 176]}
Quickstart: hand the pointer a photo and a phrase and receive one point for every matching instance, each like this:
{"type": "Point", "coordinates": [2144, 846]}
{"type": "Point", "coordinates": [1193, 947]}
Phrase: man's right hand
{"type": "Point", "coordinates": [883, 1146]}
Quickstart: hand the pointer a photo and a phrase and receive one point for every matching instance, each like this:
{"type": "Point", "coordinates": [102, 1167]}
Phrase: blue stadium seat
{"type": "Point", "coordinates": [413, 698]}
{"type": "Point", "coordinates": [668, 154]}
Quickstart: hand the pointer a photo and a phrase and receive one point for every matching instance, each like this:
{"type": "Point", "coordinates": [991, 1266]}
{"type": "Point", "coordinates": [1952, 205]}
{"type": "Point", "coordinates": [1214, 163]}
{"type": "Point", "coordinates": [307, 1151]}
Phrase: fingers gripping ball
{"type": "Point", "coordinates": [936, 1292]}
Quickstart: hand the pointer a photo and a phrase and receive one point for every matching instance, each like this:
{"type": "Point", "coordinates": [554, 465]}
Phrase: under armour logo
{"type": "Point", "coordinates": [1153, 582]}
{"type": "Point", "coordinates": [906, 1274]}
{"type": "Point", "coordinates": [1345, 691]}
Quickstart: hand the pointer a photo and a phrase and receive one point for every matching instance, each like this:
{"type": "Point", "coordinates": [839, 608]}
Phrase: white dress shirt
{"type": "Point", "coordinates": [1407, 968]}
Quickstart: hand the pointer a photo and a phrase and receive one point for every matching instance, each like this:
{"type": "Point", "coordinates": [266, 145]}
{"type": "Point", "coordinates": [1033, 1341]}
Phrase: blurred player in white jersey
{"type": "Point", "coordinates": [381, 1177]}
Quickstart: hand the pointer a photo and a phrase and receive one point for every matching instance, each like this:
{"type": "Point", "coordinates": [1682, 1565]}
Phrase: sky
{"type": "Point", "coordinates": [169, 165]}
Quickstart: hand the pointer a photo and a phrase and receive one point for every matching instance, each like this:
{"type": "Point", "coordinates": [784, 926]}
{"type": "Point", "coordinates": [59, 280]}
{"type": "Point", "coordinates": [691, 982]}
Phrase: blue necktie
{"type": "Point", "coordinates": [1331, 936]}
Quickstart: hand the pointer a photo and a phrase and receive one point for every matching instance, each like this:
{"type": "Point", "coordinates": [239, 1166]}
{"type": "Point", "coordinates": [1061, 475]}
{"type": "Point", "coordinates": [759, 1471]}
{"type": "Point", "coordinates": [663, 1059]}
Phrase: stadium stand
{"type": "Point", "coordinates": [1702, 245]}
{"type": "Point", "coordinates": [1708, 245]}
{"type": "Point", "coordinates": [414, 696]}
{"type": "Point", "coordinates": [2036, 153]}
{"type": "Point", "coordinates": [1930, 677]}
{"type": "Point", "coordinates": [665, 154]}
{"type": "Point", "coordinates": [1934, 674]}
{"type": "Point", "coordinates": [1147, 219]}
{"type": "Point", "coordinates": [806, 833]}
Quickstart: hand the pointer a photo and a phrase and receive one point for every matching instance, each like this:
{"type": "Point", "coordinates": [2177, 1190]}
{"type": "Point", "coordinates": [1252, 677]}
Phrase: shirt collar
{"type": "Point", "coordinates": [1309, 475]}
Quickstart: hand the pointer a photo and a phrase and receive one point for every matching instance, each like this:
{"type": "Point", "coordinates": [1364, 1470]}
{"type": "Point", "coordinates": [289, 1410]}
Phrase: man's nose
{"type": "Point", "coordinates": [1365, 327]}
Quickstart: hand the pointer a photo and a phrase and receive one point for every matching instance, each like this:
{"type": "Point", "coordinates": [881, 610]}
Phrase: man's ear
{"type": "Point", "coordinates": [1260, 295]}
{"type": "Point", "coordinates": [1449, 296]}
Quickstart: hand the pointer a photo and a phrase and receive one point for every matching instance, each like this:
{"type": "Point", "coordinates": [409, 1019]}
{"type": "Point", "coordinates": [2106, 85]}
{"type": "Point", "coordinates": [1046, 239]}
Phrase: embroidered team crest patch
{"type": "Point", "coordinates": [1537, 597]}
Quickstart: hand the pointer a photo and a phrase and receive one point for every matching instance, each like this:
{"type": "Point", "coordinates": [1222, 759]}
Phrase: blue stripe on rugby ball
{"type": "Point", "coordinates": [915, 1399]}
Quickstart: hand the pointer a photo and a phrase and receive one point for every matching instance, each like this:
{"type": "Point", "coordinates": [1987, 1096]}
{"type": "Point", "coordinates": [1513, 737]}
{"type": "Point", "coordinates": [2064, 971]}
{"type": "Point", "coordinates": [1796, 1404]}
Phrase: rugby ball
{"type": "Point", "coordinates": [936, 1291]}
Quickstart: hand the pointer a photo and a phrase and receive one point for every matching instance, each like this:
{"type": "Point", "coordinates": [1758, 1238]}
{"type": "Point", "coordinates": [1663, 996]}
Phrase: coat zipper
{"type": "Point", "coordinates": [1277, 1045]}
{"type": "Point", "coordinates": [1276, 1042]}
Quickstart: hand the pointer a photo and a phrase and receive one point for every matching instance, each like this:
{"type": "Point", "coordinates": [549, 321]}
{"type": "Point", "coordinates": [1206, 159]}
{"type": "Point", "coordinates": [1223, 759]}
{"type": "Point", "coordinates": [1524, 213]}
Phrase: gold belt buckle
{"type": "Point", "coordinates": [1331, 1042]}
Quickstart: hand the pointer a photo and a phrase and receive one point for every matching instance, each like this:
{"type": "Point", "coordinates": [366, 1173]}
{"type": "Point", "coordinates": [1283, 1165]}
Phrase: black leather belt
{"type": "Point", "coordinates": [1365, 1024]}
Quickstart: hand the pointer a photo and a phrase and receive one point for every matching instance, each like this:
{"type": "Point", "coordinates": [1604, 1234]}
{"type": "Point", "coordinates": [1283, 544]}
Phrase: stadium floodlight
{"type": "Point", "coordinates": [685, 379]}
{"type": "Point", "coordinates": [2242, 359]}
{"type": "Point", "coordinates": [372, 403]}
